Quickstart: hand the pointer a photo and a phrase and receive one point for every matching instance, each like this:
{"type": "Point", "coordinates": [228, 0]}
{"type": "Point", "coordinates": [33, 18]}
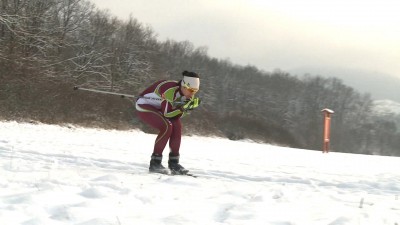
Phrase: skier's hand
{"type": "Point", "coordinates": [195, 102]}
{"type": "Point", "coordinates": [191, 104]}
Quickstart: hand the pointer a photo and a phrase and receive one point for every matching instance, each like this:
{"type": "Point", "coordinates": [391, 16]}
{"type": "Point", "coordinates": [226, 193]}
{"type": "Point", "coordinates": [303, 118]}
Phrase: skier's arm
{"type": "Point", "coordinates": [167, 105]}
{"type": "Point", "coordinates": [189, 105]}
{"type": "Point", "coordinates": [168, 110]}
{"type": "Point", "coordinates": [185, 108]}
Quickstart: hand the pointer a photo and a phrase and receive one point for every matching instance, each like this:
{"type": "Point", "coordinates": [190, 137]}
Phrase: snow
{"type": "Point", "coordinates": [54, 175]}
{"type": "Point", "coordinates": [386, 107]}
{"type": "Point", "coordinates": [328, 110]}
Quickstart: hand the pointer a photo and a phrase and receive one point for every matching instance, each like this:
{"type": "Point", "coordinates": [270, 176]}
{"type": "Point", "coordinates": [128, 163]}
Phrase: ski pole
{"type": "Point", "coordinates": [104, 92]}
{"type": "Point", "coordinates": [125, 95]}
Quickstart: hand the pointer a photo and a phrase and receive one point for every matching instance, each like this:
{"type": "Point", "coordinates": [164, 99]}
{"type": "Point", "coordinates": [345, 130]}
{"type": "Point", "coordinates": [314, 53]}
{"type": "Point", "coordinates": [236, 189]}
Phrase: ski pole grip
{"type": "Point", "coordinates": [76, 88]}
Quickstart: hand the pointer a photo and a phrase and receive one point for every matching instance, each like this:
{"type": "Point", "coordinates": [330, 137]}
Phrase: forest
{"type": "Point", "coordinates": [49, 46]}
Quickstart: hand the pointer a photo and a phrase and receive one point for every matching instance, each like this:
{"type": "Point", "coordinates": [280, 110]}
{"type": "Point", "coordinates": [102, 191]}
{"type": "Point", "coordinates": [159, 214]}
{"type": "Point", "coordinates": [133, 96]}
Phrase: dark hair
{"type": "Point", "coordinates": [190, 74]}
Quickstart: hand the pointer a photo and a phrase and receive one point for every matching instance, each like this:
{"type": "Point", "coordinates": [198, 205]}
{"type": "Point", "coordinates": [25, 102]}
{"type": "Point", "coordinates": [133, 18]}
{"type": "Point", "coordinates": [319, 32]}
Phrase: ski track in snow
{"type": "Point", "coordinates": [67, 175]}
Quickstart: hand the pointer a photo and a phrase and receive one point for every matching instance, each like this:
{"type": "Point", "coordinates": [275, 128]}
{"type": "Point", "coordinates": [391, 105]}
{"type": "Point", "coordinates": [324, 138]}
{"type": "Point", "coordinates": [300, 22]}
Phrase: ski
{"type": "Point", "coordinates": [188, 174]}
{"type": "Point", "coordinates": [191, 175]}
{"type": "Point", "coordinates": [172, 174]}
{"type": "Point", "coordinates": [163, 172]}
{"type": "Point", "coordinates": [184, 174]}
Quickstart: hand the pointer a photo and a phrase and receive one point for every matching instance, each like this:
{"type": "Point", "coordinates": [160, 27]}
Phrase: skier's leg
{"type": "Point", "coordinates": [154, 118]}
{"type": "Point", "coordinates": [175, 139]}
{"type": "Point", "coordinates": [174, 144]}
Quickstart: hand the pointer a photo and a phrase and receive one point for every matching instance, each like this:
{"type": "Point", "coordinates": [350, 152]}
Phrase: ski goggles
{"type": "Point", "coordinates": [190, 89]}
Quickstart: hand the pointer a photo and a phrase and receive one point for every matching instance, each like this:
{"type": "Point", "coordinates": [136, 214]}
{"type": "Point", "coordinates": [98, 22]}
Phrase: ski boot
{"type": "Point", "coordinates": [156, 166]}
{"type": "Point", "coordinates": [174, 166]}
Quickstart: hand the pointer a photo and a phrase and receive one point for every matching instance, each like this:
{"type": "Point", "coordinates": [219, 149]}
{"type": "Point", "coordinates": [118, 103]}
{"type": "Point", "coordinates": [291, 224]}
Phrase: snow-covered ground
{"type": "Point", "coordinates": [52, 175]}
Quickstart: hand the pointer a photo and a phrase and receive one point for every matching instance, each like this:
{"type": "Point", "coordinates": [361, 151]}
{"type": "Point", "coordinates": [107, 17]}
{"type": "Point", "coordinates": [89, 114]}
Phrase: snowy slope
{"type": "Point", "coordinates": [51, 175]}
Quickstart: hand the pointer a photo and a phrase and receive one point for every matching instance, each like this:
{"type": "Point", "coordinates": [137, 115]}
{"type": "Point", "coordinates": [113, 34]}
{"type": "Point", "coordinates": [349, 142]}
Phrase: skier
{"type": "Point", "coordinates": [161, 106]}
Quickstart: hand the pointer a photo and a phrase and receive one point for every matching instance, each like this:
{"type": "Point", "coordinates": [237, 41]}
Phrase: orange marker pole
{"type": "Point", "coordinates": [327, 129]}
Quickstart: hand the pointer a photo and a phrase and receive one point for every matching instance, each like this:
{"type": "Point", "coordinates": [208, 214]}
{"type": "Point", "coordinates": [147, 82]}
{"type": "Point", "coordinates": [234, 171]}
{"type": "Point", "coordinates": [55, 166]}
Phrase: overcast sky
{"type": "Point", "coordinates": [292, 35]}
